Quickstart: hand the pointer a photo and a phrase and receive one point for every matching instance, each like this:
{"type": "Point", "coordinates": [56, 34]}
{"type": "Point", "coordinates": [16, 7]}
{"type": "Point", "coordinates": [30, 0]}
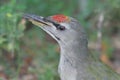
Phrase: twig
{"type": "Point", "coordinates": [99, 32]}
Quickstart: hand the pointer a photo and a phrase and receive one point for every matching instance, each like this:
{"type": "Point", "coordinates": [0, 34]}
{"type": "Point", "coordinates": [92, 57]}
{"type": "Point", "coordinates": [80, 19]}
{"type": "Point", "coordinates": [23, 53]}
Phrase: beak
{"type": "Point", "coordinates": [37, 20]}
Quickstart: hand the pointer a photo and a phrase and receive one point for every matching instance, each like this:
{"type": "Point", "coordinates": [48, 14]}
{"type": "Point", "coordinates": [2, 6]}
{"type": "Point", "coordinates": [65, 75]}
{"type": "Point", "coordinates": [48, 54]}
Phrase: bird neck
{"type": "Point", "coordinates": [76, 50]}
{"type": "Point", "coordinates": [73, 59]}
{"type": "Point", "coordinates": [76, 63]}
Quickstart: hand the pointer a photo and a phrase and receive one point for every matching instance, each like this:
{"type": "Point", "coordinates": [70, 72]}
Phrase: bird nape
{"type": "Point", "coordinates": [76, 63]}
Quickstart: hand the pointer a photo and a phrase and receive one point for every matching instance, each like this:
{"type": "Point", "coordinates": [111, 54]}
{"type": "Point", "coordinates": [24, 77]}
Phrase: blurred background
{"type": "Point", "coordinates": [28, 53]}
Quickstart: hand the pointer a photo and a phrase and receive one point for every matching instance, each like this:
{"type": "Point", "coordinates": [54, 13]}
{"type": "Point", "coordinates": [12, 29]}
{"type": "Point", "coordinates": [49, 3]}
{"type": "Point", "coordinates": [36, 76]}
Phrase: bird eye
{"type": "Point", "coordinates": [61, 27]}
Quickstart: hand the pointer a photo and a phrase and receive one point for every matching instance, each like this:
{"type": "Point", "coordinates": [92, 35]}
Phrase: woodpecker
{"type": "Point", "coordinates": [76, 63]}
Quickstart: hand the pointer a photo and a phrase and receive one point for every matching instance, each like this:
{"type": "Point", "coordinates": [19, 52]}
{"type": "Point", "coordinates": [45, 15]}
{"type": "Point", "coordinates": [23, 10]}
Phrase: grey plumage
{"type": "Point", "coordinates": [76, 63]}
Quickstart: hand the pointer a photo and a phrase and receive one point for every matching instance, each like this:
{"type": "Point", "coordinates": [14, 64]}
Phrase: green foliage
{"type": "Point", "coordinates": [49, 7]}
{"type": "Point", "coordinates": [90, 10]}
{"type": "Point", "coordinates": [10, 30]}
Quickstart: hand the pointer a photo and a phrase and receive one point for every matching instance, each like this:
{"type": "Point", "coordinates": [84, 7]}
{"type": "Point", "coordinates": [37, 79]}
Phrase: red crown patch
{"type": "Point", "coordinates": [60, 18]}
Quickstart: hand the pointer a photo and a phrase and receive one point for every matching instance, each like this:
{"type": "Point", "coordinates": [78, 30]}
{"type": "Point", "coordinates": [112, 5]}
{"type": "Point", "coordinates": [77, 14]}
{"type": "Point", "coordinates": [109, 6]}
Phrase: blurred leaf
{"type": "Point", "coordinates": [2, 40]}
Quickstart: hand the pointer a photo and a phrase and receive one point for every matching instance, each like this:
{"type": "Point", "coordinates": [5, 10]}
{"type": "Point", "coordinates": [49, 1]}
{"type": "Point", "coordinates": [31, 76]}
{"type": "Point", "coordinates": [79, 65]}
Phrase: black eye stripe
{"type": "Point", "coordinates": [58, 26]}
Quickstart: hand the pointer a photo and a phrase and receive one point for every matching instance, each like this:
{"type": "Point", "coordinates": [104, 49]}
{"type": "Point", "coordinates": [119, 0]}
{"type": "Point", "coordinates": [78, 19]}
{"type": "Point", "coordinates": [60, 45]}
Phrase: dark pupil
{"type": "Point", "coordinates": [61, 27]}
{"type": "Point", "coordinates": [58, 26]}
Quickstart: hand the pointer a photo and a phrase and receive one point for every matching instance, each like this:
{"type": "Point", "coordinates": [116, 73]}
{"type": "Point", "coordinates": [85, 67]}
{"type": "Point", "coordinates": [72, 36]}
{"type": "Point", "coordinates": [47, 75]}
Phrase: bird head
{"type": "Point", "coordinates": [62, 28]}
